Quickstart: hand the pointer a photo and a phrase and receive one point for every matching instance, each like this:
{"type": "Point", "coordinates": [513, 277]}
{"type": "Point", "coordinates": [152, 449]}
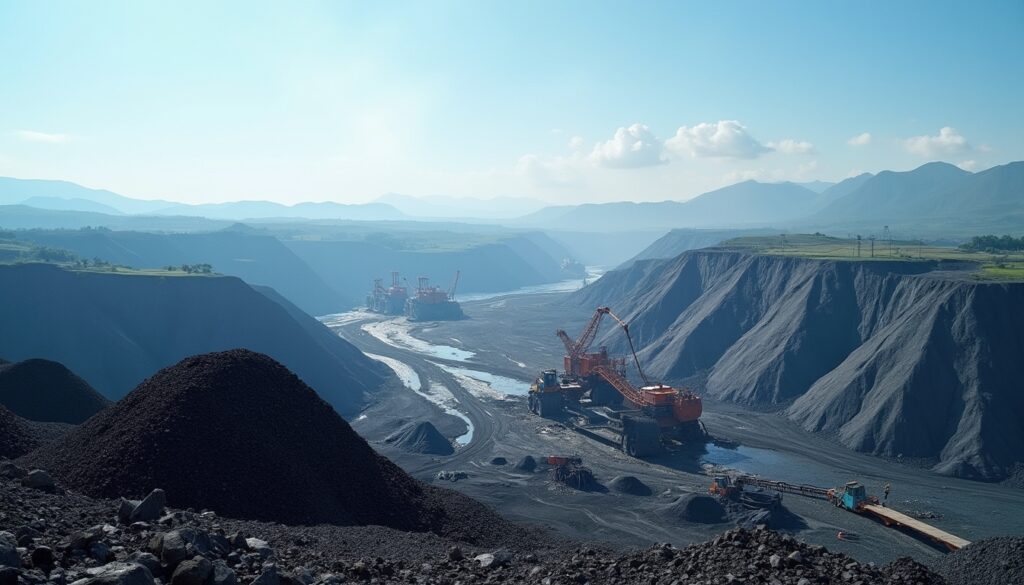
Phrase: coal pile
{"type": "Point", "coordinates": [627, 484]}
{"type": "Point", "coordinates": [16, 438]}
{"type": "Point", "coordinates": [995, 561]}
{"type": "Point", "coordinates": [46, 391]}
{"type": "Point", "coordinates": [699, 508]}
{"type": "Point", "coordinates": [577, 477]}
{"type": "Point", "coordinates": [527, 464]}
{"type": "Point", "coordinates": [422, 437]}
{"type": "Point", "coordinates": [238, 433]}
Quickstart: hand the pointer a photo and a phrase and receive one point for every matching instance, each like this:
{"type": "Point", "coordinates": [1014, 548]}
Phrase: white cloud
{"type": "Point", "coordinates": [576, 142]}
{"type": "Point", "coordinates": [34, 136]}
{"type": "Point", "coordinates": [630, 148]}
{"type": "Point", "coordinates": [947, 141]}
{"type": "Point", "coordinates": [862, 139]}
{"type": "Point", "coordinates": [968, 165]}
{"type": "Point", "coordinates": [790, 146]}
{"type": "Point", "coordinates": [722, 139]}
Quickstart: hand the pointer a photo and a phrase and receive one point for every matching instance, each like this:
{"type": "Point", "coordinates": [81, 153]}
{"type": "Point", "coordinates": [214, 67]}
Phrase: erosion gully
{"type": "Point", "coordinates": [469, 378]}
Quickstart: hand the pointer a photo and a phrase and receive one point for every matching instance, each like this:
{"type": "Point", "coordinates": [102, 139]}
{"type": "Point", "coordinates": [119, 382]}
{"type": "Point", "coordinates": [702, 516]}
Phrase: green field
{"type": "Point", "coordinates": [20, 252]}
{"type": "Point", "coordinates": [991, 266]}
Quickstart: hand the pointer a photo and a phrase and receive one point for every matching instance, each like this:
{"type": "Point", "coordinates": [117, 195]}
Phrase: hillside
{"type": "Point", "coordinates": [889, 358]}
{"type": "Point", "coordinates": [746, 203]}
{"type": "Point", "coordinates": [45, 391]}
{"type": "Point", "coordinates": [114, 330]}
{"type": "Point", "coordinates": [936, 198]}
{"type": "Point", "coordinates": [250, 255]}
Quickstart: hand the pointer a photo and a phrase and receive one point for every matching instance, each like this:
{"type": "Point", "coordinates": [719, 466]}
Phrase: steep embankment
{"type": "Point", "coordinates": [115, 330]}
{"type": "Point", "coordinates": [253, 257]}
{"type": "Point", "coordinates": [46, 391]}
{"type": "Point", "coordinates": [890, 359]}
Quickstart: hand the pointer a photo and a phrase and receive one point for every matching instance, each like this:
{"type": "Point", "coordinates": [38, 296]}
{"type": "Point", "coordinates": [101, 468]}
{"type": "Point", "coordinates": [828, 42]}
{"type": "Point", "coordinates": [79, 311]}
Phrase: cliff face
{"type": "Point", "coordinates": [892, 360]}
{"type": "Point", "coordinates": [115, 330]}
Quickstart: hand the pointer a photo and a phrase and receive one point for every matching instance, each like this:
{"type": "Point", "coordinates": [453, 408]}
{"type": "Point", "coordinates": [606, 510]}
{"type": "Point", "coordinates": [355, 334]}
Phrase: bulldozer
{"type": "Point", "coordinates": [597, 399]}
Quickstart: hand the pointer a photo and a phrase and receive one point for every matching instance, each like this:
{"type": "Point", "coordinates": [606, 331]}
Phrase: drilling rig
{"type": "Point", "coordinates": [597, 399]}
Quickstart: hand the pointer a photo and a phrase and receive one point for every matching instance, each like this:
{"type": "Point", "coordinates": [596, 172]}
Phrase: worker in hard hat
{"type": "Point", "coordinates": [886, 492]}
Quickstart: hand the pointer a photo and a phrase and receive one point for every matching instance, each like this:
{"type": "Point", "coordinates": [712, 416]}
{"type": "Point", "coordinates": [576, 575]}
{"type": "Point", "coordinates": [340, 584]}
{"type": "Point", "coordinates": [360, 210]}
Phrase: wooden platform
{"type": "Point", "coordinates": [890, 516]}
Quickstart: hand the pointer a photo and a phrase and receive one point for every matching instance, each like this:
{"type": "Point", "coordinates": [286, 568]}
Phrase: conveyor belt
{"type": "Point", "coordinates": [890, 516]}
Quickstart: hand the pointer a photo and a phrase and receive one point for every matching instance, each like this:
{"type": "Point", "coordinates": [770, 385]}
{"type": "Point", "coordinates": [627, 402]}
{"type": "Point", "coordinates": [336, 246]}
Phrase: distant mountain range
{"type": "Point", "coordinates": [446, 207]}
{"type": "Point", "coordinates": [935, 200]}
{"type": "Point", "coordinates": [66, 196]}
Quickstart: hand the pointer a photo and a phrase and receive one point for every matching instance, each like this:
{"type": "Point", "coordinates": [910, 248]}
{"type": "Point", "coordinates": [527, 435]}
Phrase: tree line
{"type": "Point", "coordinates": [994, 244]}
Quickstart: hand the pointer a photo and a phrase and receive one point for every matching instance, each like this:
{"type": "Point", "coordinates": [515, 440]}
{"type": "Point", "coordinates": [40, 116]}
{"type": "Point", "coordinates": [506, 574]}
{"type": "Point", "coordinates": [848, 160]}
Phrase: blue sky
{"type": "Point", "coordinates": [562, 101]}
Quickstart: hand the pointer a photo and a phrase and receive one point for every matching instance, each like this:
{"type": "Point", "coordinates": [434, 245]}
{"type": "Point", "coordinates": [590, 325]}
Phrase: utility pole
{"type": "Point", "coordinates": [858, 245]}
{"type": "Point", "coordinates": [872, 238]}
{"type": "Point", "coordinates": [886, 235]}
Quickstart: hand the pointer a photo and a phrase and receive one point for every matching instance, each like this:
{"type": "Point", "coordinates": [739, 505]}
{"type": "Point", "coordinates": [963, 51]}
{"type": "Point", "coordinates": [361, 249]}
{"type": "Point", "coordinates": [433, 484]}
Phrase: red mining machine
{"type": "Point", "coordinates": [433, 303]}
{"type": "Point", "coordinates": [597, 399]}
{"type": "Point", "coordinates": [389, 301]}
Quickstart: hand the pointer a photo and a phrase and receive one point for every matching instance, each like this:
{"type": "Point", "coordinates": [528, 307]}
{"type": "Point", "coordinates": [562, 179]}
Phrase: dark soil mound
{"type": "Point", "coordinates": [421, 437]}
{"type": "Point", "coordinates": [527, 463]}
{"type": "Point", "coordinates": [239, 433]}
{"type": "Point", "coordinates": [578, 477]}
{"type": "Point", "coordinates": [499, 461]}
{"type": "Point", "coordinates": [995, 561]}
{"type": "Point", "coordinates": [699, 508]}
{"type": "Point", "coordinates": [16, 438]}
{"type": "Point", "coordinates": [46, 391]}
{"type": "Point", "coordinates": [627, 484]}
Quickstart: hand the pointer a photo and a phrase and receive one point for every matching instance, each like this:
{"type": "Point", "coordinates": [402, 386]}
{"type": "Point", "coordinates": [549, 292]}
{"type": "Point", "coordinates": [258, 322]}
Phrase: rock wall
{"type": "Point", "coordinates": [894, 358]}
{"type": "Point", "coordinates": [115, 330]}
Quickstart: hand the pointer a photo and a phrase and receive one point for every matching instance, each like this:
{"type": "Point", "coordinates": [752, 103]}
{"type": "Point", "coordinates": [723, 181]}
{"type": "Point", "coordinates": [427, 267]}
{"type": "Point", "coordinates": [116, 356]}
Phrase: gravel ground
{"type": "Point", "coordinates": [995, 561]}
{"type": "Point", "coordinates": [62, 537]}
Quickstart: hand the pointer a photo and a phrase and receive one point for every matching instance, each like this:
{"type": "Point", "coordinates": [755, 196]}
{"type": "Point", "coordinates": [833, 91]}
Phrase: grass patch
{"type": "Point", "coordinates": [991, 266]}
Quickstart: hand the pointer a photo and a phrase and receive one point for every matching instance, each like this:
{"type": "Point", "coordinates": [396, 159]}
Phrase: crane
{"type": "Point", "coordinates": [451, 291]}
{"type": "Point", "coordinates": [579, 362]}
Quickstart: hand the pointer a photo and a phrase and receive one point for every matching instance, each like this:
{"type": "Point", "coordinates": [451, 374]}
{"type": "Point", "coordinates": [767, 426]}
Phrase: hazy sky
{"type": "Point", "coordinates": [563, 101]}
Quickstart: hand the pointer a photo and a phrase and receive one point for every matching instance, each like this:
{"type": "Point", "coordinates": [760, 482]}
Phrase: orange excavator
{"type": "Point", "coordinates": [595, 389]}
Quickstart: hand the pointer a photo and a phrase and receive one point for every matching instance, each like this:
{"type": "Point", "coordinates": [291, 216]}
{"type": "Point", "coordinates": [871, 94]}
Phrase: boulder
{"type": "Point", "coordinates": [151, 508]}
{"type": "Point", "coordinates": [223, 575]}
{"type": "Point", "coordinates": [269, 576]}
{"type": "Point", "coordinates": [120, 574]}
{"type": "Point", "coordinates": [9, 556]}
{"type": "Point", "coordinates": [174, 548]}
{"type": "Point", "coordinates": [39, 480]}
{"type": "Point", "coordinates": [125, 509]}
{"type": "Point", "coordinates": [9, 576]}
{"type": "Point", "coordinates": [194, 571]}
{"type": "Point", "coordinates": [83, 539]}
{"type": "Point", "coordinates": [147, 560]}
{"type": "Point", "coordinates": [260, 547]}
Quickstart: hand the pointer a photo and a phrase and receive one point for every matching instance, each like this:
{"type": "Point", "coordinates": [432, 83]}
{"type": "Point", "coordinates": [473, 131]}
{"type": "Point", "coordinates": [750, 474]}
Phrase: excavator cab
{"type": "Point", "coordinates": [549, 378]}
{"type": "Point", "coordinates": [722, 486]}
{"type": "Point", "coordinates": [854, 495]}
